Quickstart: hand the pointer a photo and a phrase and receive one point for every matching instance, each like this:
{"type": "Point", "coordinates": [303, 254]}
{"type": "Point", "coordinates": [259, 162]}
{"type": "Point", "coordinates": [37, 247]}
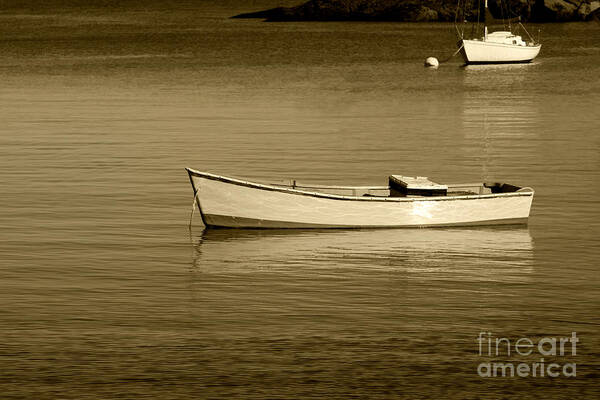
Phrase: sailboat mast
{"type": "Point", "coordinates": [485, 21]}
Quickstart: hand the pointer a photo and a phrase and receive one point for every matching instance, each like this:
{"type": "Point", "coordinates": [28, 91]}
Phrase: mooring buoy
{"type": "Point", "coordinates": [432, 62]}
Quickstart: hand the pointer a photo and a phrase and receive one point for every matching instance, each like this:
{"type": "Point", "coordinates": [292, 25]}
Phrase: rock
{"type": "Point", "coordinates": [265, 14]}
{"type": "Point", "coordinates": [594, 11]}
{"type": "Point", "coordinates": [591, 11]}
{"type": "Point", "coordinates": [554, 11]}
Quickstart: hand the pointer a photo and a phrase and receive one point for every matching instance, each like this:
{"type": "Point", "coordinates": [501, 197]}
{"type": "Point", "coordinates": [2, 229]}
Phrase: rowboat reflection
{"type": "Point", "coordinates": [485, 253]}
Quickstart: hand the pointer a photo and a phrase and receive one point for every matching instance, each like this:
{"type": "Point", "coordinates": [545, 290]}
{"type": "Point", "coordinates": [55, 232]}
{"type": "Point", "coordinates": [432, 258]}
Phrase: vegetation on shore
{"type": "Point", "coordinates": [430, 10]}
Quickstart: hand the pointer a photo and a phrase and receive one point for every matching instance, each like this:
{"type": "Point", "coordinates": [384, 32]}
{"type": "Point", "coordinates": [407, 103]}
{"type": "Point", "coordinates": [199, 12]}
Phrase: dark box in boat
{"type": "Point", "coordinates": [402, 186]}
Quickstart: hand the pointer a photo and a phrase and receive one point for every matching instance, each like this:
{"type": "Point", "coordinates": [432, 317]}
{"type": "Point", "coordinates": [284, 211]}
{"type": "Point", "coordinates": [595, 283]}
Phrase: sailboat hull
{"type": "Point", "coordinates": [483, 52]}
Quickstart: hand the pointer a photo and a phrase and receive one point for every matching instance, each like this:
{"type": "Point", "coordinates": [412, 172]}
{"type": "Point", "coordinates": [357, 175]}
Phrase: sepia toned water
{"type": "Point", "coordinates": [105, 293]}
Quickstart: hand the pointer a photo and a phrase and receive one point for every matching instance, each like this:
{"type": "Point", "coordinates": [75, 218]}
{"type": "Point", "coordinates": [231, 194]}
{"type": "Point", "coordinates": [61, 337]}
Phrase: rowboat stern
{"type": "Point", "coordinates": [528, 205]}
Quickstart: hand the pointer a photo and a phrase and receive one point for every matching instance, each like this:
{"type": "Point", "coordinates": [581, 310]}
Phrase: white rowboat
{"type": "Point", "coordinates": [236, 203]}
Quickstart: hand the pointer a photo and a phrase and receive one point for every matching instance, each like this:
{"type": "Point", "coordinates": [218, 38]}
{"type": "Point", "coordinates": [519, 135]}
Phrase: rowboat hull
{"type": "Point", "coordinates": [482, 52]}
{"type": "Point", "coordinates": [228, 202]}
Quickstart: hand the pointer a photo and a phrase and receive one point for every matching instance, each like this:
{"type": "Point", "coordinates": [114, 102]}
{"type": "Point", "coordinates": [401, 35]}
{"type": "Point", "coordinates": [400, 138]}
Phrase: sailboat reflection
{"type": "Point", "coordinates": [497, 119]}
{"type": "Point", "coordinates": [482, 253]}
{"type": "Point", "coordinates": [491, 78]}
{"type": "Point", "coordinates": [500, 67]}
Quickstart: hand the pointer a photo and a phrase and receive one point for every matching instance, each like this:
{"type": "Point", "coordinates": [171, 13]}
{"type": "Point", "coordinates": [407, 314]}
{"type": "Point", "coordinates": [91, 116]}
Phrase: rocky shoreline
{"type": "Point", "coordinates": [429, 10]}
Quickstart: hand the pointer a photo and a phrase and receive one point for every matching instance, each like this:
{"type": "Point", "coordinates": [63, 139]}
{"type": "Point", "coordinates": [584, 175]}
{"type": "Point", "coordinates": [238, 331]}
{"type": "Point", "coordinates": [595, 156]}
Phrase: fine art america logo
{"type": "Point", "coordinates": [490, 346]}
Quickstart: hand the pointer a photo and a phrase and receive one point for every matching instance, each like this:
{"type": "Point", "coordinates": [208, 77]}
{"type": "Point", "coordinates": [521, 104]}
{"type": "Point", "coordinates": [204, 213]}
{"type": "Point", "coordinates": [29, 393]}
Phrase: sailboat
{"type": "Point", "coordinates": [497, 47]}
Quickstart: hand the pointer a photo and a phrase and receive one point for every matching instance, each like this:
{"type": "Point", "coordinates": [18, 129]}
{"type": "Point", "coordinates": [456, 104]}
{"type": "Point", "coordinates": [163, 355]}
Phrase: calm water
{"type": "Point", "coordinates": [106, 294]}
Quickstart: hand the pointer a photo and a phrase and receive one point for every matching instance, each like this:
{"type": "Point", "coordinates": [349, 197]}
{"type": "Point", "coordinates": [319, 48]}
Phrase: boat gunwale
{"type": "Point", "coordinates": [261, 186]}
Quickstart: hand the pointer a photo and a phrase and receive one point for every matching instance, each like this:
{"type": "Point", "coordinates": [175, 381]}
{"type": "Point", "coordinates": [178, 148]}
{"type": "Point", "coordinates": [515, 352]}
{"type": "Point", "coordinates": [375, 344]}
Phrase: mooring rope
{"type": "Point", "coordinates": [455, 53]}
{"type": "Point", "coordinates": [196, 200]}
